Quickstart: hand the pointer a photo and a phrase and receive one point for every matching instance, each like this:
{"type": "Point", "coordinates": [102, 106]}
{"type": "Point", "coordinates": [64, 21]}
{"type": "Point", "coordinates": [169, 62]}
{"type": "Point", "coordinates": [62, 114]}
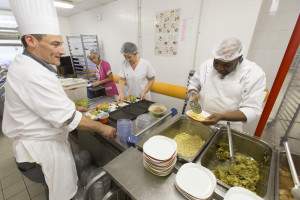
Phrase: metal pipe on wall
{"type": "Point", "coordinates": [139, 2]}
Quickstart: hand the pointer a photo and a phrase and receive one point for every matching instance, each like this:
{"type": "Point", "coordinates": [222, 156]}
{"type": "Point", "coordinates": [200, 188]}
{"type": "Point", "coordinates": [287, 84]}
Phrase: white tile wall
{"type": "Point", "coordinates": [271, 37]}
{"type": "Point", "coordinates": [267, 36]}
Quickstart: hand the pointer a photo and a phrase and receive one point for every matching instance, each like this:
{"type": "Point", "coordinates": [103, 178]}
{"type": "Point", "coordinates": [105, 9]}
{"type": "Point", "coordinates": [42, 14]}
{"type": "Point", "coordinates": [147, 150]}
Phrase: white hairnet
{"type": "Point", "coordinates": [129, 48]}
{"type": "Point", "coordinates": [228, 50]}
{"type": "Point", "coordinates": [93, 52]}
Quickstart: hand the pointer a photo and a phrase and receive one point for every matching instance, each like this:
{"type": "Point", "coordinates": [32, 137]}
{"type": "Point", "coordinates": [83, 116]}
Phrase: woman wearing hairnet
{"type": "Point", "coordinates": [103, 73]}
{"type": "Point", "coordinates": [231, 87]}
{"type": "Point", "coordinates": [138, 73]}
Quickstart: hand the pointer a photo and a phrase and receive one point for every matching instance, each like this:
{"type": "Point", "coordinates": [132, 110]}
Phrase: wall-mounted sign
{"type": "Point", "coordinates": [167, 25]}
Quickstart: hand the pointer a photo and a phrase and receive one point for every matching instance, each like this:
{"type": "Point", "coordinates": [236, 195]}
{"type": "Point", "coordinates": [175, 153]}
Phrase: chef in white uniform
{"type": "Point", "coordinates": [38, 115]}
{"type": "Point", "coordinates": [138, 72]}
{"type": "Point", "coordinates": [231, 87]}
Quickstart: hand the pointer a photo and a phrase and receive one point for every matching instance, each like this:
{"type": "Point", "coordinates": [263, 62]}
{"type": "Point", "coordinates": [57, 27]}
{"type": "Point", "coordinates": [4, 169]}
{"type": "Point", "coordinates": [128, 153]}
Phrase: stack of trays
{"type": "Point", "coordinates": [160, 155]}
{"type": "Point", "coordinates": [195, 182]}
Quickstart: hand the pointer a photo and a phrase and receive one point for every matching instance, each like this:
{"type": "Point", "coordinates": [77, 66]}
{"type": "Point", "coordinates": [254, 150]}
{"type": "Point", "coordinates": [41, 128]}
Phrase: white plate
{"type": "Point", "coordinates": [237, 193]}
{"type": "Point", "coordinates": [160, 147]}
{"type": "Point", "coordinates": [196, 180]}
{"type": "Point", "coordinates": [204, 113]}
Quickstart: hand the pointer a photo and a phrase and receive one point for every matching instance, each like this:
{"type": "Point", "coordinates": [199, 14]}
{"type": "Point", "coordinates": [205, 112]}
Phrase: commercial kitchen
{"type": "Point", "coordinates": [147, 158]}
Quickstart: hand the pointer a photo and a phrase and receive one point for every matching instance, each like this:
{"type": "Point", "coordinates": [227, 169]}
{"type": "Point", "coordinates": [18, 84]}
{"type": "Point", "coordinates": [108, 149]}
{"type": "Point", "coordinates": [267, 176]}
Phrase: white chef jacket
{"type": "Point", "coordinates": [243, 89]}
{"type": "Point", "coordinates": [137, 79]}
{"type": "Point", "coordinates": [35, 110]}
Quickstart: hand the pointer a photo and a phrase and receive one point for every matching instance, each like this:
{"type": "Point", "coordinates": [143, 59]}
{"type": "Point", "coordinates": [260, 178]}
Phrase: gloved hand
{"type": "Point", "coordinates": [191, 95]}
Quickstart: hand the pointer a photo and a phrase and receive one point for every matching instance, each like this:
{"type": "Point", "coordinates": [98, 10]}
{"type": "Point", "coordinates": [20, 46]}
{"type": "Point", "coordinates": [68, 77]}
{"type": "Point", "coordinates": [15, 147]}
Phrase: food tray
{"type": "Point", "coordinates": [182, 124]}
{"type": "Point", "coordinates": [120, 114]}
{"type": "Point", "coordinates": [249, 146]}
{"type": "Point", "coordinates": [134, 110]}
{"type": "Point", "coordinates": [285, 183]}
{"type": "Point", "coordinates": [143, 104]}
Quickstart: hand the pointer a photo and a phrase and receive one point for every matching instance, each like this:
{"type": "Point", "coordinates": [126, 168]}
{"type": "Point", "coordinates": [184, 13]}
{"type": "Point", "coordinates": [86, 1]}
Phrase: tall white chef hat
{"type": "Point", "coordinates": [228, 50]}
{"type": "Point", "coordinates": [35, 16]}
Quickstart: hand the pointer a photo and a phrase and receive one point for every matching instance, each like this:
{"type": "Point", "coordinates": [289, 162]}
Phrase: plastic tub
{"type": "Point", "coordinates": [103, 117]}
{"type": "Point", "coordinates": [157, 110]}
{"type": "Point", "coordinates": [75, 88]}
{"type": "Point", "coordinates": [123, 129]}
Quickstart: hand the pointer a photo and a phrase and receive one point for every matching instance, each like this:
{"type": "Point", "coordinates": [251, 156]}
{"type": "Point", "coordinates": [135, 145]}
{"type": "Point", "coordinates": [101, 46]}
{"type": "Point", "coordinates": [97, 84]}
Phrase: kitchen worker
{"type": "Point", "coordinates": [38, 115]}
{"type": "Point", "coordinates": [103, 73]}
{"type": "Point", "coordinates": [138, 73]}
{"type": "Point", "coordinates": [231, 87]}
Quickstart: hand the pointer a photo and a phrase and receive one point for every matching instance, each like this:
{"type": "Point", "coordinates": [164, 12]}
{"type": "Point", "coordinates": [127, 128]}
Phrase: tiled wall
{"type": "Point", "coordinates": [265, 34]}
{"type": "Point", "coordinates": [119, 23]}
{"type": "Point", "coordinates": [272, 33]}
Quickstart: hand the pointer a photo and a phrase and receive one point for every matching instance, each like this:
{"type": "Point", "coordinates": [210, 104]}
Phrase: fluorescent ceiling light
{"type": "Point", "coordinates": [62, 4]}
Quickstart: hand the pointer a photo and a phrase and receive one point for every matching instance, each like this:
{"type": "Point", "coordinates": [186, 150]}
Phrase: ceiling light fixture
{"type": "Point", "coordinates": [62, 4]}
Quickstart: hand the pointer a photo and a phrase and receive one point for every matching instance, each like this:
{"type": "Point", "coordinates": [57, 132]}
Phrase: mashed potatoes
{"type": "Point", "coordinates": [199, 117]}
{"type": "Point", "coordinates": [188, 145]}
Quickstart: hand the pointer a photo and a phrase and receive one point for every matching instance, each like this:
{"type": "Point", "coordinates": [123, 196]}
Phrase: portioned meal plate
{"type": "Point", "coordinates": [197, 117]}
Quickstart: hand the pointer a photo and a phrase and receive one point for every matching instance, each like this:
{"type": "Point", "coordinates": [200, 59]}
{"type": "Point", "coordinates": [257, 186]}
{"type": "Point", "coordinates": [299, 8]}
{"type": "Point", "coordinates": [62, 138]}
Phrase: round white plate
{"type": "Point", "coordinates": [237, 193]}
{"type": "Point", "coordinates": [196, 180]}
{"type": "Point", "coordinates": [160, 147]}
{"type": "Point", "coordinates": [204, 113]}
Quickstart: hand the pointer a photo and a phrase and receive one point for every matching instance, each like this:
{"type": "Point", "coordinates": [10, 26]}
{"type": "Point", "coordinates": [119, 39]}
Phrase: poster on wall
{"type": "Point", "coordinates": [166, 32]}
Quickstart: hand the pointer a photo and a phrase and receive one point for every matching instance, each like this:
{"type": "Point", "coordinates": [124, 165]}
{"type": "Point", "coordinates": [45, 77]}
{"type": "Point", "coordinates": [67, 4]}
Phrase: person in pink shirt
{"type": "Point", "coordinates": [103, 73]}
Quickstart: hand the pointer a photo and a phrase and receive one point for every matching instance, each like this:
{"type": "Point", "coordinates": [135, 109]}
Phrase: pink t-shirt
{"type": "Point", "coordinates": [102, 73]}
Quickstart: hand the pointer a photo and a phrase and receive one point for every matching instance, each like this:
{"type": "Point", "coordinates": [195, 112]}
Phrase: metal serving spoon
{"type": "Point", "coordinates": [196, 108]}
{"type": "Point", "coordinates": [295, 190]}
{"type": "Point", "coordinates": [231, 151]}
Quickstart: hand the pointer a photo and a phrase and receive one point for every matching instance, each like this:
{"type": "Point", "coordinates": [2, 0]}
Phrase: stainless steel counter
{"type": "Point", "coordinates": [128, 172]}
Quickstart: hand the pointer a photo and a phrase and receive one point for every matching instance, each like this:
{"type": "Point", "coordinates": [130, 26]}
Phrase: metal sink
{"type": "Point", "coordinates": [248, 146]}
{"type": "Point", "coordinates": [283, 182]}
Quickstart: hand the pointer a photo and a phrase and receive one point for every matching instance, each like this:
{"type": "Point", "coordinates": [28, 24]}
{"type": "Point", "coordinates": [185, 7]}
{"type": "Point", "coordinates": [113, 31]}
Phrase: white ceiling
{"type": "Point", "coordinates": [80, 6]}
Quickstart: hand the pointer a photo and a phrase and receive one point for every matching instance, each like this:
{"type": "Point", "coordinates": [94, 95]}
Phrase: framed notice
{"type": "Point", "coordinates": [167, 25]}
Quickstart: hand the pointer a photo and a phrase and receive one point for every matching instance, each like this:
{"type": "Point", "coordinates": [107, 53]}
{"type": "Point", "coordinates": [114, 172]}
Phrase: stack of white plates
{"type": "Point", "coordinates": [160, 155]}
{"type": "Point", "coordinates": [195, 182]}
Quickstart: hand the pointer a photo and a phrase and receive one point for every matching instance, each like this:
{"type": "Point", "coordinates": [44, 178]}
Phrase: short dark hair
{"type": "Point", "coordinates": [39, 37]}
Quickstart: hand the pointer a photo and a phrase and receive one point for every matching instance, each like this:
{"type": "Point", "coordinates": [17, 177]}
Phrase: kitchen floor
{"type": "Point", "coordinates": [13, 185]}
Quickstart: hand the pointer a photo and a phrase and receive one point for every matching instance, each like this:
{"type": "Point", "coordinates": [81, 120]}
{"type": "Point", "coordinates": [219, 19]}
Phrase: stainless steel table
{"type": "Point", "coordinates": [129, 174]}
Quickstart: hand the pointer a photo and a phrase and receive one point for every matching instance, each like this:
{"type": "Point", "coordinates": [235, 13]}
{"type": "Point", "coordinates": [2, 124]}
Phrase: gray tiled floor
{"type": "Point", "coordinates": [13, 185]}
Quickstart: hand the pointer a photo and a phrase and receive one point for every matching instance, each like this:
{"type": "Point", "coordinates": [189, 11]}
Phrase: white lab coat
{"type": "Point", "coordinates": [137, 79]}
{"type": "Point", "coordinates": [242, 89]}
{"type": "Point", "coordinates": [35, 109]}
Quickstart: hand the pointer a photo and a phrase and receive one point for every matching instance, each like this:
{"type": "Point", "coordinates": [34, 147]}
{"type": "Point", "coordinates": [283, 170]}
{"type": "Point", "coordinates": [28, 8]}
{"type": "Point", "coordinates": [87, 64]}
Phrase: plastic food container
{"type": "Point", "coordinates": [144, 120]}
{"type": "Point", "coordinates": [75, 88]}
{"type": "Point", "coordinates": [103, 117]}
{"type": "Point", "coordinates": [157, 110]}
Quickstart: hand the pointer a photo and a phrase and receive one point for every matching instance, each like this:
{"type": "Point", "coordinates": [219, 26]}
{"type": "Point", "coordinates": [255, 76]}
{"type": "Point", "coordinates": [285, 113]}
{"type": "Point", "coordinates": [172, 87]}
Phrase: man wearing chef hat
{"type": "Point", "coordinates": [231, 87]}
{"type": "Point", "coordinates": [38, 114]}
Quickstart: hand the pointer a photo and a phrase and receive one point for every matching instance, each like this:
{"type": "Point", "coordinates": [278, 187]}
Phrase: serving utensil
{"type": "Point", "coordinates": [195, 106]}
{"type": "Point", "coordinates": [295, 190]}
{"type": "Point", "coordinates": [231, 151]}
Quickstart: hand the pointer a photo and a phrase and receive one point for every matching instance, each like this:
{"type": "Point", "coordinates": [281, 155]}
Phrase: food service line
{"type": "Point", "coordinates": [131, 158]}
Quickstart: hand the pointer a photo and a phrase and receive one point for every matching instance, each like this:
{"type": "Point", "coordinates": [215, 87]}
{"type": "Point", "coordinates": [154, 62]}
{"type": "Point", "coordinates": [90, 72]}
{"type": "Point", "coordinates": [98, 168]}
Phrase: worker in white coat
{"type": "Point", "coordinates": [38, 115]}
{"type": "Point", "coordinates": [138, 72]}
{"type": "Point", "coordinates": [231, 87]}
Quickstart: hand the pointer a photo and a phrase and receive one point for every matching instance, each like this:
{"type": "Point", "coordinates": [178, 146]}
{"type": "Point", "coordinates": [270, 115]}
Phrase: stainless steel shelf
{"type": "Point", "coordinates": [288, 112]}
{"type": "Point", "coordinates": [79, 46]}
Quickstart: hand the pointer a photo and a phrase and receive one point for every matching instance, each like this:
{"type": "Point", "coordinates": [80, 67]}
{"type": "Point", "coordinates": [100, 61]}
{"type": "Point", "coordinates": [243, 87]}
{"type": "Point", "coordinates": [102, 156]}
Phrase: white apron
{"type": "Point", "coordinates": [35, 125]}
{"type": "Point", "coordinates": [222, 95]}
{"type": "Point", "coordinates": [56, 160]}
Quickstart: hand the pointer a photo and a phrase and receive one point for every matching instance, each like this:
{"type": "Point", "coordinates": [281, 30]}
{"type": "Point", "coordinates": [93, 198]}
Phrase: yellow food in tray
{"type": "Point", "coordinates": [196, 116]}
{"type": "Point", "coordinates": [188, 145]}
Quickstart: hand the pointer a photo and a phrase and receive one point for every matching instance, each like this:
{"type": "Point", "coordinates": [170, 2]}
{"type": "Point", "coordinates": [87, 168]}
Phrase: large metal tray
{"type": "Point", "coordinates": [248, 146]}
{"type": "Point", "coordinates": [282, 163]}
{"type": "Point", "coordinates": [179, 125]}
